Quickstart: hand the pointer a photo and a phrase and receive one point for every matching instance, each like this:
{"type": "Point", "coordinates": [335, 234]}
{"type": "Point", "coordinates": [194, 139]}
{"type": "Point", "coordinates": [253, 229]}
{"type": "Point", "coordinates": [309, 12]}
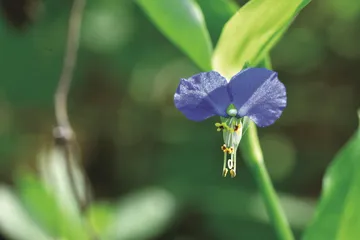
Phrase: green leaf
{"type": "Point", "coordinates": [39, 203]}
{"type": "Point", "coordinates": [252, 32]}
{"type": "Point", "coordinates": [183, 23]}
{"type": "Point", "coordinates": [142, 215]}
{"type": "Point", "coordinates": [54, 173]}
{"type": "Point", "coordinates": [14, 221]}
{"type": "Point", "coordinates": [46, 211]}
{"type": "Point", "coordinates": [101, 216]}
{"type": "Point", "coordinates": [338, 213]}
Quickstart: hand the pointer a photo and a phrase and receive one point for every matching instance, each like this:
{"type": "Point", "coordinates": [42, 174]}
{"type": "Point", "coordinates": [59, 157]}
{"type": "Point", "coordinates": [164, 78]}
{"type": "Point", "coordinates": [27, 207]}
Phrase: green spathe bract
{"type": "Point", "coordinates": [252, 32]}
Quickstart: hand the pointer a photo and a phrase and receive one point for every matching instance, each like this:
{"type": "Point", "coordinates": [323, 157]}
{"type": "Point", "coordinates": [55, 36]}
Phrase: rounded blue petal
{"type": "Point", "coordinates": [202, 96]}
{"type": "Point", "coordinates": [258, 94]}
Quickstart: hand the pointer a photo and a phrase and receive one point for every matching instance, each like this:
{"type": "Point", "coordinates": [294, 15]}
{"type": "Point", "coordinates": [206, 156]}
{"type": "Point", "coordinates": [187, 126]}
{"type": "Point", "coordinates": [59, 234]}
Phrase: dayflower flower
{"type": "Point", "coordinates": [253, 93]}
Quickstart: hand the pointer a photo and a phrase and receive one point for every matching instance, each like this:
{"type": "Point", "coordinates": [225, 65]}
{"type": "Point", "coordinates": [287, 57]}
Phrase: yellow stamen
{"type": "Point", "coordinates": [237, 127]}
{"type": "Point", "coordinates": [225, 171]}
{"type": "Point", "coordinates": [230, 150]}
{"type": "Point", "coordinates": [232, 173]}
{"type": "Point", "coordinates": [223, 126]}
{"type": "Point", "coordinates": [220, 126]}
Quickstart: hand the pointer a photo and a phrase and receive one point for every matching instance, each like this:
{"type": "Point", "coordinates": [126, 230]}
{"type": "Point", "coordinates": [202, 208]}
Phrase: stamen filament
{"type": "Point", "coordinates": [225, 170]}
{"type": "Point", "coordinates": [232, 129]}
{"type": "Point", "coordinates": [235, 161]}
{"type": "Point", "coordinates": [230, 163]}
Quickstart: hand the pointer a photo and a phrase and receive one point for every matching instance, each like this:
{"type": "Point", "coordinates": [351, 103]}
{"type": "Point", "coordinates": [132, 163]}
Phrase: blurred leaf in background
{"type": "Point", "coordinates": [142, 215]}
{"type": "Point", "coordinates": [46, 209]}
{"type": "Point", "coordinates": [108, 26]}
{"type": "Point", "coordinates": [16, 223]}
{"type": "Point", "coordinates": [338, 213]}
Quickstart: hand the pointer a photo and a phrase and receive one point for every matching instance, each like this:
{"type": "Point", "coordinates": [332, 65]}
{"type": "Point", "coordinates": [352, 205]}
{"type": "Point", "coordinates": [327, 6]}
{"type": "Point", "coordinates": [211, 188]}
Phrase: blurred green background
{"type": "Point", "coordinates": [137, 148]}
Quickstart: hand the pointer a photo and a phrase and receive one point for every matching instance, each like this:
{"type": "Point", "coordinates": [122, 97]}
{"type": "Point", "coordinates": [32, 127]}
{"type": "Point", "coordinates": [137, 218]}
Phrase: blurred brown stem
{"type": "Point", "coordinates": [63, 133]}
{"type": "Point", "coordinates": [69, 65]}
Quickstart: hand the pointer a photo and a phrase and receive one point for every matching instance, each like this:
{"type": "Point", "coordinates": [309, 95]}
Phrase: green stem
{"type": "Point", "coordinates": [253, 156]}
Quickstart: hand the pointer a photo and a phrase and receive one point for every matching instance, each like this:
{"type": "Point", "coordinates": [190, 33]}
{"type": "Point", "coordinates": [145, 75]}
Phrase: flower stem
{"type": "Point", "coordinates": [254, 158]}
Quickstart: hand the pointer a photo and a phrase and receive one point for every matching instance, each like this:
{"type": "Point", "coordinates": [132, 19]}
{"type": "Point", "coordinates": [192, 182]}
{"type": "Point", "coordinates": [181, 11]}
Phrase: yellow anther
{"type": "Point", "coordinates": [225, 171]}
{"type": "Point", "coordinates": [224, 148]}
{"type": "Point", "coordinates": [237, 127]}
{"type": "Point", "coordinates": [220, 126]}
{"type": "Point", "coordinates": [223, 126]}
{"type": "Point", "coordinates": [232, 173]}
{"type": "Point", "coordinates": [230, 150]}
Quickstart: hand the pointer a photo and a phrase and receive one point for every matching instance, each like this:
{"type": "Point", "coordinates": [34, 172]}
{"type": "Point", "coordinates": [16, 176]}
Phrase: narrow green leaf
{"type": "Point", "coordinates": [14, 221]}
{"type": "Point", "coordinates": [54, 173]}
{"type": "Point", "coordinates": [101, 216]}
{"type": "Point", "coordinates": [46, 211]}
{"type": "Point", "coordinates": [142, 215]}
{"type": "Point", "coordinates": [250, 34]}
{"type": "Point", "coordinates": [39, 203]}
{"type": "Point", "coordinates": [338, 213]}
{"type": "Point", "coordinates": [183, 23]}
{"type": "Point", "coordinates": [303, 4]}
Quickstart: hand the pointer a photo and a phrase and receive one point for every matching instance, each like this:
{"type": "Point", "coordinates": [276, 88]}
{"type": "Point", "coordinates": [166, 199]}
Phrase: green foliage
{"type": "Point", "coordinates": [54, 174]}
{"type": "Point", "coordinates": [43, 209]}
{"type": "Point", "coordinates": [183, 23]}
{"type": "Point", "coordinates": [185, 157]}
{"type": "Point", "coordinates": [141, 215]}
{"type": "Point", "coordinates": [48, 202]}
{"type": "Point", "coordinates": [101, 215]}
{"type": "Point", "coordinates": [14, 221]}
{"type": "Point", "coordinates": [46, 211]}
{"type": "Point", "coordinates": [216, 14]}
{"type": "Point", "coordinates": [252, 32]}
{"type": "Point", "coordinates": [40, 204]}
{"type": "Point", "coordinates": [338, 213]}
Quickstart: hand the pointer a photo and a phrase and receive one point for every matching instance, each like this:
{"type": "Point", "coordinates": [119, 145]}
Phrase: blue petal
{"type": "Point", "coordinates": [258, 94]}
{"type": "Point", "coordinates": [202, 96]}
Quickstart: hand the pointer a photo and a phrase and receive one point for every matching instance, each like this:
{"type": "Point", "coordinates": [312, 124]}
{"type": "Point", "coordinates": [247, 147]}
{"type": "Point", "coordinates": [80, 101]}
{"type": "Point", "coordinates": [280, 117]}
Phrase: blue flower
{"type": "Point", "coordinates": [253, 93]}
